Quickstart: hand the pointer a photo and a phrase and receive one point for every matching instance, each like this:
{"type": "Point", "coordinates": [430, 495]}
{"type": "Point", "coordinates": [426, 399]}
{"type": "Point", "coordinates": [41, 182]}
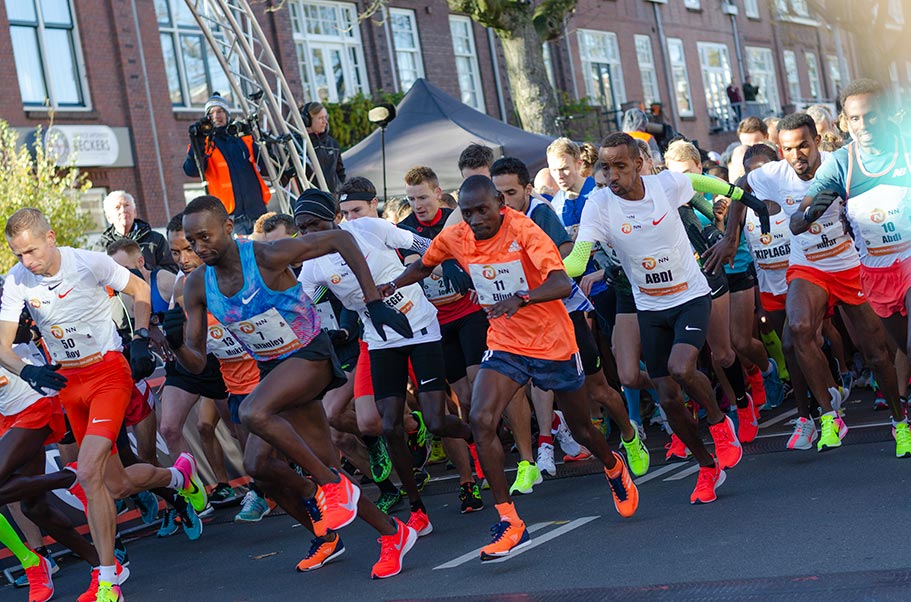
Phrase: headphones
{"type": "Point", "coordinates": [307, 118]}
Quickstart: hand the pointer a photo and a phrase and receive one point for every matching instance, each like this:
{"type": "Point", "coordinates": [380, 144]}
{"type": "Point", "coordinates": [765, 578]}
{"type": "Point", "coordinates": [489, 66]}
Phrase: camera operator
{"type": "Point", "coordinates": [229, 164]}
{"type": "Point", "coordinates": [327, 148]}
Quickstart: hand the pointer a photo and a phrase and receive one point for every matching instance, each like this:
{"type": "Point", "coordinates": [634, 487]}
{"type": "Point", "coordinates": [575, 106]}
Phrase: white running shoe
{"type": "Point", "coordinates": [565, 438]}
{"type": "Point", "coordinates": [804, 435]}
{"type": "Point", "coordinates": [545, 460]}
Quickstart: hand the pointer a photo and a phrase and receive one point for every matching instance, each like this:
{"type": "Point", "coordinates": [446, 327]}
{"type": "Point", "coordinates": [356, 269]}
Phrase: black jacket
{"type": "Point", "coordinates": [155, 249]}
{"type": "Point", "coordinates": [329, 153]}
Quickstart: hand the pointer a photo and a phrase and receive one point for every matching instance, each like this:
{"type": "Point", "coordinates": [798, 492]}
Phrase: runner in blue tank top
{"type": "Point", "coordinates": [250, 288]}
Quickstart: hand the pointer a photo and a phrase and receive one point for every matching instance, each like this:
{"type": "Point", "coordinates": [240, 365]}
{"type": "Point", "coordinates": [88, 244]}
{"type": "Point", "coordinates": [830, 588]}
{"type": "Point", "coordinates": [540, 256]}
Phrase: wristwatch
{"type": "Point", "coordinates": [142, 333]}
{"type": "Point", "coordinates": [524, 296]}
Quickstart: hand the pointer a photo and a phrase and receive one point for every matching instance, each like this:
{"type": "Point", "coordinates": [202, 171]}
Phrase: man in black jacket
{"type": "Point", "coordinates": [327, 148]}
{"type": "Point", "coordinates": [120, 211]}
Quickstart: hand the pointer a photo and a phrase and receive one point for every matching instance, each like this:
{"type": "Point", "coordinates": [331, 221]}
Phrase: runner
{"type": "Point", "coordinates": [63, 290]}
{"type": "Point", "coordinates": [266, 311]}
{"type": "Point", "coordinates": [520, 280]}
{"type": "Point", "coordinates": [636, 216]}
{"type": "Point", "coordinates": [873, 175]}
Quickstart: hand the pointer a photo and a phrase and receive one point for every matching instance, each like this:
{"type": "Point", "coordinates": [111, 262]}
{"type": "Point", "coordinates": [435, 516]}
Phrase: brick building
{"type": "Point", "coordinates": [123, 79]}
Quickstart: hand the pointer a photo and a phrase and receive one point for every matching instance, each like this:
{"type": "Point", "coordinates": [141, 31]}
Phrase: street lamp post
{"type": "Point", "coordinates": [382, 115]}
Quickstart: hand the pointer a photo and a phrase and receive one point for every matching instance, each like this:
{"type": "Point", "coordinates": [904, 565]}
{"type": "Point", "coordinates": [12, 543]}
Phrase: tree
{"type": "Point", "coordinates": [30, 177]}
{"type": "Point", "coordinates": [522, 26]}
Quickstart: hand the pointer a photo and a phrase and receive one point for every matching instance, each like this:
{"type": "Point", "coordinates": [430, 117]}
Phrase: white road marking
{"type": "Point", "coordinates": [654, 474]}
{"type": "Point", "coordinates": [683, 473]}
{"type": "Point", "coordinates": [778, 419]}
{"type": "Point", "coordinates": [476, 554]}
{"type": "Point", "coordinates": [563, 530]}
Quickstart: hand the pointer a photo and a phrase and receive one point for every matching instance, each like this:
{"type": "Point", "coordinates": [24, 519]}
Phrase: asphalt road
{"type": "Point", "coordinates": [786, 525]}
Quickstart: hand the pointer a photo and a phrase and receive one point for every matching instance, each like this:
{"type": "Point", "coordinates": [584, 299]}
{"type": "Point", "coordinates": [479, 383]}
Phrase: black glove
{"type": "Point", "coordinates": [142, 364]}
{"type": "Point", "coordinates": [455, 278]}
{"type": "Point", "coordinates": [820, 203]}
{"type": "Point", "coordinates": [43, 377]}
{"type": "Point", "coordinates": [172, 324]}
{"type": "Point", "coordinates": [761, 210]}
{"type": "Point", "coordinates": [338, 337]}
{"type": "Point", "coordinates": [383, 315]}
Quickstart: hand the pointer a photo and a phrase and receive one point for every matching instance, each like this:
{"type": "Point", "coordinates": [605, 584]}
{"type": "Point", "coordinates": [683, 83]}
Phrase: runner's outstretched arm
{"type": "Point", "coordinates": [577, 260]}
{"type": "Point", "coordinates": [186, 332]}
{"type": "Point", "coordinates": [714, 185]}
{"type": "Point", "coordinates": [415, 272]}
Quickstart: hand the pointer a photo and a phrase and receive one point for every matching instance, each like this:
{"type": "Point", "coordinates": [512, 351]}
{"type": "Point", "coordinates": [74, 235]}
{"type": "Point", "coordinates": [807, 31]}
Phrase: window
{"type": "Point", "coordinates": [647, 69]}
{"type": "Point", "coordinates": [193, 71]}
{"type": "Point", "coordinates": [761, 66]}
{"type": "Point", "coordinates": [800, 8]}
{"type": "Point", "coordinates": [692, 4]}
{"type": "Point", "coordinates": [813, 75]}
{"type": "Point", "coordinates": [601, 68]}
{"type": "Point", "coordinates": [47, 53]}
{"type": "Point", "coordinates": [716, 74]}
{"type": "Point", "coordinates": [790, 69]}
{"type": "Point", "coordinates": [834, 70]}
{"type": "Point", "coordinates": [677, 60]}
{"type": "Point", "coordinates": [407, 46]}
{"type": "Point", "coordinates": [329, 51]}
{"type": "Point", "coordinates": [466, 61]}
{"type": "Point", "coordinates": [548, 64]}
{"type": "Point", "coordinates": [782, 6]}
{"type": "Point", "coordinates": [751, 8]}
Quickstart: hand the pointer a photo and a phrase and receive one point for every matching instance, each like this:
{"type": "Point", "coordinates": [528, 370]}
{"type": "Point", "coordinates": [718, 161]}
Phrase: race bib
{"type": "Point", "coordinates": [660, 273]}
{"type": "Point", "coordinates": [327, 318]}
{"type": "Point", "coordinates": [267, 334]}
{"type": "Point", "coordinates": [436, 290]}
{"type": "Point", "coordinates": [223, 345]}
{"type": "Point", "coordinates": [884, 219]}
{"type": "Point", "coordinates": [495, 282]}
{"type": "Point", "coordinates": [824, 239]}
{"type": "Point", "coordinates": [73, 346]}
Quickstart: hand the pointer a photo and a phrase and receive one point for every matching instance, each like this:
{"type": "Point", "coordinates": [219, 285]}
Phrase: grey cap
{"type": "Point", "coordinates": [217, 101]}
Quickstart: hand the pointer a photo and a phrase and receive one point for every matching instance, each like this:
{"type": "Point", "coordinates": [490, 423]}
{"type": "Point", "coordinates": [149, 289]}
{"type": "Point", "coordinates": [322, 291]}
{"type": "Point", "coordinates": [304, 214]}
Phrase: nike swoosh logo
{"type": "Point", "coordinates": [61, 296]}
{"type": "Point", "coordinates": [96, 421]}
{"type": "Point", "coordinates": [655, 222]}
{"type": "Point", "coordinates": [351, 506]}
{"type": "Point", "coordinates": [246, 300]}
{"type": "Point", "coordinates": [398, 547]}
{"type": "Point", "coordinates": [691, 329]}
{"type": "Point", "coordinates": [50, 288]}
{"type": "Point", "coordinates": [717, 290]}
{"type": "Point", "coordinates": [424, 382]}
{"type": "Point", "coordinates": [779, 222]}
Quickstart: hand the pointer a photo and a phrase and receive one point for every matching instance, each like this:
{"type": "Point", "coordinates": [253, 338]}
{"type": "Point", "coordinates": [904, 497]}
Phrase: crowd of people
{"type": "Point", "coordinates": [621, 286]}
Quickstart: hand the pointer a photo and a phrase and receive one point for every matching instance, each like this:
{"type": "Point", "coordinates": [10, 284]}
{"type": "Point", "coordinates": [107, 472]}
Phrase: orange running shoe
{"type": "Point", "coordinates": [626, 495]}
{"type": "Point", "coordinates": [340, 503]}
{"type": "Point", "coordinates": [40, 583]}
{"type": "Point", "coordinates": [321, 552]}
{"type": "Point", "coordinates": [392, 550]}
{"type": "Point", "coordinates": [727, 448]}
{"type": "Point", "coordinates": [709, 480]}
{"type": "Point", "coordinates": [582, 456]}
{"type": "Point", "coordinates": [747, 425]}
{"type": "Point", "coordinates": [420, 522]}
{"type": "Point", "coordinates": [676, 449]}
{"type": "Point", "coordinates": [508, 536]}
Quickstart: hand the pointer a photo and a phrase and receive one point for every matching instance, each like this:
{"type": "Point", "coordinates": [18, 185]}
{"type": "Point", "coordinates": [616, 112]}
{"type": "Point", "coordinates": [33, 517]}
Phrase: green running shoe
{"type": "Point", "coordinates": [421, 434]}
{"type": "Point", "coordinates": [437, 453]}
{"type": "Point", "coordinates": [636, 455]}
{"type": "Point", "coordinates": [832, 431]}
{"type": "Point", "coordinates": [388, 501]}
{"type": "Point", "coordinates": [193, 490]}
{"type": "Point", "coordinates": [380, 462]}
{"type": "Point", "coordinates": [527, 477]}
{"type": "Point", "coordinates": [902, 435]}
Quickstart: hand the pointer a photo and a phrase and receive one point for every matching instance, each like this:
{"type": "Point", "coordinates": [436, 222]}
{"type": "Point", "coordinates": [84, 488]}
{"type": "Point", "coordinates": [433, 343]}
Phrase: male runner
{"type": "Point", "coordinates": [249, 288]}
{"type": "Point", "coordinates": [638, 217]}
{"type": "Point", "coordinates": [63, 290]}
{"type": "Point", "coordinates": [520, 280]}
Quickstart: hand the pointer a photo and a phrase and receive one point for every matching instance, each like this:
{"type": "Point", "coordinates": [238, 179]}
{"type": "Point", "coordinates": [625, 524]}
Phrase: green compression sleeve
{"type": "Point", "coordinates": [703, 206]}
{"type": "Point", "coordinates": [10, 539]}
{"type": "Point", "coordinates": [713, 185]}
{"type": "Point", "coordinates": [576, 261]}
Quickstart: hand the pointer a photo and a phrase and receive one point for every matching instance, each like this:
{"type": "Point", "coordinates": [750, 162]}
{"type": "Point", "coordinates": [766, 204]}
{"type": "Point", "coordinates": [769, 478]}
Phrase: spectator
{"type": "Point", "coordinates": [735, 99]}
{"type": "Point", "coordinates": [475, 160]}
{"type": "Point", "coordinates": [327, 148]}
{"type": "Point", "coordinates": [749, 90]}
{"type": "Point", "coordinates": [544, 184]}
{"type": "Point", "coordinates": [752, 130]}
{"type": "Point", "coordinates": [634, 124]}
{"type": "Point", "coordinates": [120, 212]}
{"type": "Point", "coordinates": [229, 165]}
{"type": "Point", "coordinates": [589, 158]}
{"type": "Point", "coordinates": [449, 201]}
{"type": "Point", "coordinates": [772, 126]}
{"type": "Point", "coordinates": [259, 231]}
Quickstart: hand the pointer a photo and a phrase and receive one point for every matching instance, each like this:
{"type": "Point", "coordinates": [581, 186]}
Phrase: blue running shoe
{"type": "Point", "coordinates": [774, 389]}
{"type": "Point", "coordinates": [189, 521]}
{"type": "Point", "coordinates": [169, 524]}
{"type": "Point", "coordinates": [147, 504]}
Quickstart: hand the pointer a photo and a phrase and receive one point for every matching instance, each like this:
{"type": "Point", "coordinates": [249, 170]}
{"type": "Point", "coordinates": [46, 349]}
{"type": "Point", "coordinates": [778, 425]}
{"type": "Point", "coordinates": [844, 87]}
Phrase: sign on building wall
{"type": "Point", "coordinates": [82, 145]}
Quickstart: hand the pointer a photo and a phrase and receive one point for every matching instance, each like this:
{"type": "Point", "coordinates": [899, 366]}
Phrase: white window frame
{"type": "Point", "coordinates": [309, 19]}
{"type": "Point", "coordinates": [548, 63]}
{"type": "Point", "coordinates": [651, 92]}
{"type": "Point", "coordinates": [587, 39]}
{"type": "Point", "coordinates": [789, 58]}
{"type": "Point", "coordinates": [761, 66]}
{"type": "Point", "coordinates": [680, 75]}
{"type": "Point", "coordinates": [751, 9]}
{"type": "Point", "coordinates": [175, 31]}
{"type": "Point", "coordinates": [715, 80]}
{"type": "Point", "coordinates": [813, 75]}
{"type": "Point", "coordinates": [693, 4]}
{"type": "Point", "coordinates": [82, 84]}
{"type": "Point", "coordinates": [414, 53]}
{"type": "Point", "coordinates": [473, 97]}
{"type": "Point", "coordinates": [833, 68]}
{"type": "Point", "coordinates": [800, 8]}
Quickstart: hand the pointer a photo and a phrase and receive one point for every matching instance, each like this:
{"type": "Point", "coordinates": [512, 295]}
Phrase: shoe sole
{"type": "Point", "coordinates": [409, 543]}
{"type": "Point", "coordinates": [485, 557]}
{"type": "Point", "coordinates": [469, 510]}
{"type": "Point", "coordinates": [237, 519]}
{"type": "Point", "coordinates": [425, 531]}
{"type": "Point", "coordinates": [326, 561]}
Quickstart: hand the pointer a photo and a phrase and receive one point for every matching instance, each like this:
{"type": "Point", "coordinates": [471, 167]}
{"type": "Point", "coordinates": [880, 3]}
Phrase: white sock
{"type": "Point", "coordinates": [177, 480]}
{"type": "Point", "coordinates": [107, 574]}
{"type": "Point", "coordinates": [768, 370]}
{"type": "Point", "coordinates": [832, 413]}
